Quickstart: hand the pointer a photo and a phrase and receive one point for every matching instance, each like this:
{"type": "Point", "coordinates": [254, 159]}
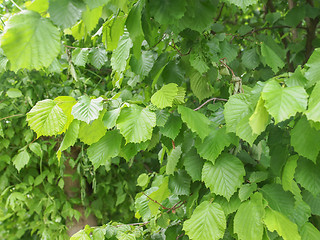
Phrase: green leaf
{"type": "Point", "coordinates": [21, 159]}
{"type": "Point", "coordinates": [80, 235]}
{"type": "Point", "coordinates": [39, 6]}
{"type": "Point", "coordinates": [287, 180]}
{"type": "Point", "coordinates": [309, 232]}
{"type": "Point", "coordinates": [207, 222]}
{"type": "Point", "coordinates": [193, 164]}
{"type": "Point", "coordinates": [198, 15]}
{"type": "Point", "coordinates": [248, 219]}
{"type": "Point", "coordinates": [159, 195]}
{"type": "Point", "coordinates": [260, 118]}
{"type": "Point", "coordinates": [101, 152]}
{"type": "Point", "coordinates": [211, 147]}
{"type": "Point", "coordinates": [200, 86]}
{"type": "Point", "coordinates": [312, 201]}
{"type": "Point", "coordinates": [228, 51]}
{"type": "Point", "coordinates": [246, 191]}
{"type": "Point", "coordinates": [237, 113]}
{"type": "Point", "coordinates": [197, 61]}
{"type": "Point", "coordinates": [87, 109]}
{"type": "Point", "coordinates": [167, 11]}
{"type": "Point", "coordinates": [313, 112]}
{"type": "Point", "coordinates": [273, 54]}
{"type": "Point", "coordinates": [307, 175]}
{"type": "Point", "coordinates": [80, 56]}
{"type": "Point", "coordinates": [14, 93]}
{"type": "Point", "coordinates": [46, 118]}
{"type": "Point", "coordinates": [110, 118]}
{"type": "Point", "coordinates": [165, 96]}
{"type": "Point", "coordinates": [278, 199]}
{"type": "Point", "coordinates": [133, 22]}
{"type": "Point", "coordinates": [282, 103]}
{"type": "Point", "coordinates": [173, 159]}
{"type": "Point", "coordinates": [66, 103]}
{"type": "Point", "coordinates": [91, 133]}
{"type": "Point", "coordinates": [36, 149]}
{"type": "Point", "coordinates": [121, 53]}
{"type": "Point", "coordinates": [70, 137]}
{"type": "Point", "coordinates": [91, 18]}
{"type": "Point", "coordinates": [250, 59]}
{"type": "Point", "coordinates": [313, 72]}
{"type": "Point", "coordinates": [98, 57]}
{"type": "Point", "coordinates": [30, 41]}
{"type": "Point", "coordinates": [144, 64]}
{"type": "Point", "coordinates": [297, 78]}
{"type": "Point", "coordinates": [112, 31]}
{"type": "Point", "coordinates": [196, 122]}
{"type": "Point", "coordinates": [179, 184]}
{"type": "Point", "coordinates": [243, 3]}
{"type": "Point", "coordinates": [276, 221]}
{"type": "Point", "coordinates": [95, 3]}
{"type": "Point", "coordinates": [136, 123]}
{"type": "Point", "coordinates": [64, 13]}
{"type": "Point", "coordinates": [143, 180]}
{"type": "Point", "coordinates": [305, 139]}
{"type": "Point", "coordinates": [172, 127]}
{"type": "Point", "coordinates": [225, 176]}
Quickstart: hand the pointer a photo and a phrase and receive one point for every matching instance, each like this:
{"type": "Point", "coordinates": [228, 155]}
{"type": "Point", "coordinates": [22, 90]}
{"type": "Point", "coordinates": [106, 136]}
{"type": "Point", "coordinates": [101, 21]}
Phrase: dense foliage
{"type": "Point", "coordinates": [185, 119]}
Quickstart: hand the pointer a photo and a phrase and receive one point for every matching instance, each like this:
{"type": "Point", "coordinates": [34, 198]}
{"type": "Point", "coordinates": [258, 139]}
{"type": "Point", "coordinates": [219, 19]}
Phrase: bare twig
{"type": "Point", "coordinates": [134, 224]}
{"type": "Point", "coordinates": [16, 115]}
{"type": "Point", "coordinates": [209, 100]}
{"type": "Point", "coordinates": [180, 53]}
{"type": "Point", "coordinates": [155, 201]}
{"type": "Point", "coordinates": [220, 12]}
{"type": "Point", "coordinates": [223, 63]}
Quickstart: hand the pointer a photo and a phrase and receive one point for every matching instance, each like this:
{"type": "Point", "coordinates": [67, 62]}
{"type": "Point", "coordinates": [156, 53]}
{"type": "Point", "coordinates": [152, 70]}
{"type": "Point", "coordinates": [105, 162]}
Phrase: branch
{"type": "Point", "coordinates": [180, 53]}
{"type": "Point", "coordinates": [266, 28]}
{"type": "Point", "coordinates": [16, 115]}
{"type": "Point", "coordinates": [227, 66]}
{"type": "Point", "coordinates": [163, 207]}
{"type": "Point", "coordinates": [16, 5]}
{"type": "Point", "coordinates": [220, 12]}
{"type": "Point", "coordinates": [209, 100]}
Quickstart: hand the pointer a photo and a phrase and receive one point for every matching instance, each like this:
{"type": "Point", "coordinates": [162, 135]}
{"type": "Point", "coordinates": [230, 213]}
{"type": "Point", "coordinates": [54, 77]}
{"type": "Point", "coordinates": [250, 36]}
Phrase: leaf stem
{"type": "Point", "coordinates": [16, 5]}
{"type": "Point", "coordinates": [209, 100]}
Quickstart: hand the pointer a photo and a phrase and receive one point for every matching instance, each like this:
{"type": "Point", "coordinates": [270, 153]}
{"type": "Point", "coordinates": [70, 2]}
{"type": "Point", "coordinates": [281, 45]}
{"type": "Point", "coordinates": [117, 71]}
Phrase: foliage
{"type": "Point", "coordinates": [198, 119]}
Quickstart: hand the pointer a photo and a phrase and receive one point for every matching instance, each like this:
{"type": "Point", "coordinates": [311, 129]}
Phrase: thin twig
{"type": "Point", "coordinates": [163, 207]}
{"type": "Point", "coordinates": [266, 28]}
{"type": "Point", "coordinates": [133, 224]}
{"type": "Point", "coordinates": [227, 66]}
{"type": "Point", "coordinates": [181, 235]}
{"type": "Point", "coordinates": [16, 115]}
{"type": "Point", "coordinates": [158, 42]}
{"type": "Point", "coordinates": [209, 100]}
{"type": "Point", "coordinates": [180, 53]}
{"type": "Point", "coordinates": [220, 12]}
{"type": "Point", "coordinates": [16, 5]}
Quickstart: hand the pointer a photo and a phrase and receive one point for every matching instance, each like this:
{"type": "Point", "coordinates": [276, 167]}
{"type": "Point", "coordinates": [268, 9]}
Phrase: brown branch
{"type": "Point", "coordinates": [16, 115]}
{"type": "Point", "coordinates": [155, 201]}
{"type": "Point", "coordinates": [209, 100]}
{"type": "Point", "coordinates": [266, 28]}
{"type": "Point", "coordinates": [180, 53]}
{"type": "Point", "coordinates": [134, 224]}
{"type": "Point", "coordinates": [173, 145]}
{"type": "Point", "coordinates": [158, 42]}
{"type": "Point", "coordinates": [220, 12]}
{"type": "Point", "coordinates": [227, 66]}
